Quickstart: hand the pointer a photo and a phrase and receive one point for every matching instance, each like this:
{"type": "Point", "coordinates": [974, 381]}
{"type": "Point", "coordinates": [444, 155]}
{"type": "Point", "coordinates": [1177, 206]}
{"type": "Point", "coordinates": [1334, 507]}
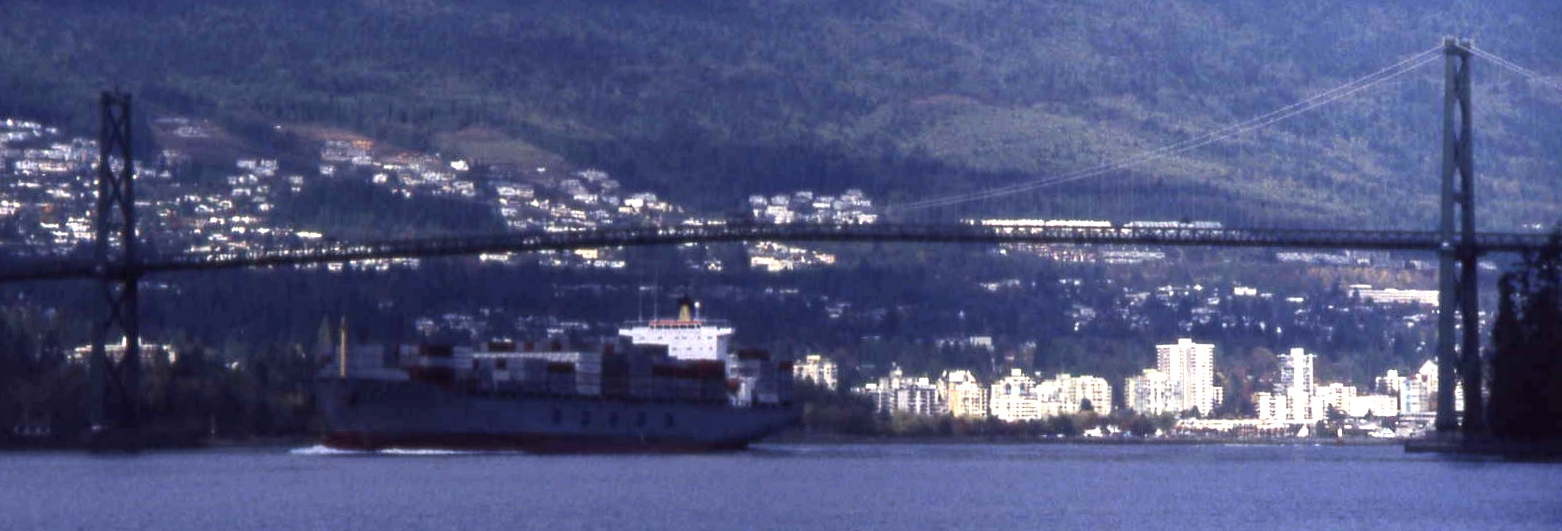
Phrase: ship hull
{"type": "Point", "coordinates": [366, 414]}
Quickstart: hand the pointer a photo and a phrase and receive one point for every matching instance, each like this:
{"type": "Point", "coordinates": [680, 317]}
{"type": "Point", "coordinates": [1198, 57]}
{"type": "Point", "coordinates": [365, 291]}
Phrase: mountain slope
{"type": "Point", "coordinates": [710, 100]}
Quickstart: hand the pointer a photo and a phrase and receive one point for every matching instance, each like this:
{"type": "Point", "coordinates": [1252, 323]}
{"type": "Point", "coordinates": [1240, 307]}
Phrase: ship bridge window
{"type": "Point", "coordinates": [558, 416]}
{"type": "Point", "coordinates": [585, 418]}
{"type": "Point", "coordinates": [640, 419]}
{"type": "Point", "coordinates": [667, 420]}
{"type": "Point", "coordinates": [612, 419]}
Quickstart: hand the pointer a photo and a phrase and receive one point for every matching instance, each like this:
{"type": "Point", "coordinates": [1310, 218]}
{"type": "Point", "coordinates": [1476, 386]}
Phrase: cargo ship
{"type": "Point", "coordinates": [667, 385]}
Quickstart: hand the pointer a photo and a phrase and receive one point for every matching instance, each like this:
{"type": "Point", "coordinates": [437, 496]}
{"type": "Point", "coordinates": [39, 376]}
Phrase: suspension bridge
{"type": "Point", "coordinates": [119, 265]}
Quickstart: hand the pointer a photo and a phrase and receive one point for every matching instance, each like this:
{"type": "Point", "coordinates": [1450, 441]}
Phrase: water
{"type": "Point", "coordinates": [868, 487]}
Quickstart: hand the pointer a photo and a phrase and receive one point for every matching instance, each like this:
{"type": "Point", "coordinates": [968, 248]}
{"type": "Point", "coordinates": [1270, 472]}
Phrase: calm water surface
{"type": "Point", "coordinates": [868, 487]}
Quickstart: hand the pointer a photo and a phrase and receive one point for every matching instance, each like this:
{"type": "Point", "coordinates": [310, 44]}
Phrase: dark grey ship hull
{"type": "Point", "coordinates": [375, 414]}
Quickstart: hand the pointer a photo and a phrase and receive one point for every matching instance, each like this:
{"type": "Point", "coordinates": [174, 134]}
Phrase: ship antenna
{"type": "Point", "coordinates": [656, 299]}
{"type": "Point", "coordinates": [694, 286]}
{"type": "Point", "coordinates": [640, 297]}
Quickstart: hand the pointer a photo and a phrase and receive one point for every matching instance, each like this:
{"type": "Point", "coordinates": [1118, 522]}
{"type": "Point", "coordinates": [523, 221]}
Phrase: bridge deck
{"type": "Point", "coordinates": [327, 252]}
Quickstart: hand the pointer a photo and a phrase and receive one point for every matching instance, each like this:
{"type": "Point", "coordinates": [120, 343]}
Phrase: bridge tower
{"type": "Point", "coordinates": [1457, 252]}
{"type": "Point", "coordinates": [116, 386]}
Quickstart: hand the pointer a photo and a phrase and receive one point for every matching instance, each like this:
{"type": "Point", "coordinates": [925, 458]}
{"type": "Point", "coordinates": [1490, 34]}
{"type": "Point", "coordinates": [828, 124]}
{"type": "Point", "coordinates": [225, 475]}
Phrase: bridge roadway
{"type": "Point", "coordinates": [330, 251]}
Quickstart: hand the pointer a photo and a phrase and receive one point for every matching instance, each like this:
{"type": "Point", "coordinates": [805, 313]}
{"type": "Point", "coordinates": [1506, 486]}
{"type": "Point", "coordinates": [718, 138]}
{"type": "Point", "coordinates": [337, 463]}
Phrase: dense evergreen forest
{"type": "Point", "coordinates": [710, 100]}
{"type": "Point", "coordinates": [1526, 365]}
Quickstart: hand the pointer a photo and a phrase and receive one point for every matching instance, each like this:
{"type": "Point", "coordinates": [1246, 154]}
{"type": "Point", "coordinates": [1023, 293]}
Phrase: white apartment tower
{"type": "Point", "coordinates": [1296, 373]}
{"type": "Point", "coordinates": [1190, 371]}
{"type": "Point", "coordinates": [1296, 397]}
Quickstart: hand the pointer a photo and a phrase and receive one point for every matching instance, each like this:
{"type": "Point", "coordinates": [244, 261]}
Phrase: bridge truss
{"type": "Point", "coordinates": [332, 252]}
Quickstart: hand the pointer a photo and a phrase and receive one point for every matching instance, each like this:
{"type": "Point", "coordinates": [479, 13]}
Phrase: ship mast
{"type": "Point", "coordinates": [341, 349]}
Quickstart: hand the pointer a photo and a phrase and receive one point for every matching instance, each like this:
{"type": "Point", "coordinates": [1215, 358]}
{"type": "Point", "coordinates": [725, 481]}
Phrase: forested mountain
{"type": "Point", "coordinates": [707, 101]}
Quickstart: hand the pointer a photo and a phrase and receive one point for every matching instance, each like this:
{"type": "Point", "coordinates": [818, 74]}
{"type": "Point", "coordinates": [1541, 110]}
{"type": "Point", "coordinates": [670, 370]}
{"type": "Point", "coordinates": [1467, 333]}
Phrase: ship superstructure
{"type": "Point", "coordinates": [689, 337]}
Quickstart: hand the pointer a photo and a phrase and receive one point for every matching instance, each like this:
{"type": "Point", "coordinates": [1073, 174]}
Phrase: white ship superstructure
{"type": "Point", "coordinates": [689, 337]}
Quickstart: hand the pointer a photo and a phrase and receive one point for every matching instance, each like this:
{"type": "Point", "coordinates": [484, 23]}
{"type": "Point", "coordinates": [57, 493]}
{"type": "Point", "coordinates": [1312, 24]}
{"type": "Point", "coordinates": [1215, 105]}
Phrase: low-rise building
{"type": "Point", "coordinates": [1012, 398]}
{"type": "Point", "coordinates": [817, 370]}
{"type": "Point", "coordinates": [897, 393]}
{"type": "Point", "coordinates": [1149, 393]}
{"type": "Point", "coordinates": [1374, 405]}
{"type": "Point", "coordinates": [1075, 391]}
{"type": "Point", "coordinates": [963, 396]}
{"type": "Point", "coordinates": [1337, 396]}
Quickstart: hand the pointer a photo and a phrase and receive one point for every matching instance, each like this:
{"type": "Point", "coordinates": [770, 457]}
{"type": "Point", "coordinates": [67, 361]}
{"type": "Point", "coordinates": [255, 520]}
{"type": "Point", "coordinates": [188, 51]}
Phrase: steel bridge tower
{"type": "Point", "coordinates": [1457, 252]}
{"type": "Point", "coordinates": [116, 386]}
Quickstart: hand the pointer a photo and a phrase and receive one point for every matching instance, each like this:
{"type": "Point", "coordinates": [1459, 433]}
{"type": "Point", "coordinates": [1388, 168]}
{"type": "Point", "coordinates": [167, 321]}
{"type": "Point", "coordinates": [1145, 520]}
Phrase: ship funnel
{"type": "Point", "coordinates": [685, 308]}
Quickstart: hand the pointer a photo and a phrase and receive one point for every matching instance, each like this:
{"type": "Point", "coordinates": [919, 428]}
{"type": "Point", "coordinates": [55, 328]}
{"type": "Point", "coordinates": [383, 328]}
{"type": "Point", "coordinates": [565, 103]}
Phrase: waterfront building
{"type": "Point", "coordinates": [962, 395]}
{"type": "Point", "coordinates": [1190, 371]}
{"type": "Point", "coordinates": [1290, 408]}
{"type": "Point", "coordinates": [1337, 396]}
{"type": "Point", "coordinates": [1375, 405]}
{"type": "Point", "coordinates": [1416, 394]}
{"type": "Point", "coordinates": [1049, 399]}
{"type": "Point", "coordinates": [817, 370]}
{"type": "Point", "coordinates": [1269, 406]}
{"type": "Point", "coordinates": [918, 397]}
{"type": "Point", "coordinates": [1070, 393]}
{"type": "Point", "coordinates": [1013, 399]}
{"type": "Point", "coordinates": [1419, 393]}
{"type": "Point", "coordinates": [1390, 383]}
{"type": "Point", "coordinates": [874, 393]}
{"type": "Point", "coordinates": [1298, 384]}
{"type": "Point", "coordinates": [1149, 393]}
{"type": "Point", "coordinates": [1296, 373]}
{"type": "Point", "coordinates": [896, 392]}
{"type": "Point", "coordinates": [1296, 397]}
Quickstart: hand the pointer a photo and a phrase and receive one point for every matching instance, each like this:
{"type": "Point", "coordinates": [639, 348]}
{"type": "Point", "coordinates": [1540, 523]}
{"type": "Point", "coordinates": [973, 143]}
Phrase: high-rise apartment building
{"type": "Point", "coordinates": [1190, 371]}
{"type": "Point", "coordinates": [1299, 386]}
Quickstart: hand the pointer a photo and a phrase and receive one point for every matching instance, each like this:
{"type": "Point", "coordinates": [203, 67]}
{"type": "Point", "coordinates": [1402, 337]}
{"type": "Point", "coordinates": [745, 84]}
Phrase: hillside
{"type": "Point", "coordinates": [707, 101]}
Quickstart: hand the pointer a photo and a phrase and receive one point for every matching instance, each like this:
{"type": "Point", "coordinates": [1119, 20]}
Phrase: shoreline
{"type": "Point", "coordinates": [822, 439]}
{"type": "Point", "coordinates": [1481, 448]}
{"type": "Point", "coordinates": [844, 440]}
